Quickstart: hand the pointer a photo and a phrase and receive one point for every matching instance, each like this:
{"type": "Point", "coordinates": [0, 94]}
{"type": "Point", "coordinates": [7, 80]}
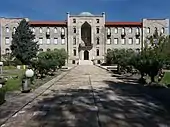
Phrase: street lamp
{"type": "Point", "coordinates": [26, 81]}
{"type": "Point", "coordinates": [1, 64]}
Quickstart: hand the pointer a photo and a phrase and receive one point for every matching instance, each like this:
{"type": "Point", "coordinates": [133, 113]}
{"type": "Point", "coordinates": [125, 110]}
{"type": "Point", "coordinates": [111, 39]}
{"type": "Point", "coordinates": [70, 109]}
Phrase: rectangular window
{"type": "Point", "coordinates": [130, 41]}
{"type": "Point", "coordinates": [55, 30]}
{"type": "Point", "coordinates": [74, 52]}
{"type": "Point", "coordinates": [40, 41]}
{"type": "Point", "coordinates": [55, 41]}
{"type": "Point", "coordinates": [115, 41]}
{"type": "Point", "coordinates": [97, 41]}
{"type": "Point", "coordinates": [48, 30]}
{"type": "Point", "coordinates": [74, 20]}
{"type": "Point", "coordinates": [7, 29]}
{"type": "Point", "coordinates": [97, 20]}
{"type": "Point", "coordinates": [97, 52]}
{"type": "Point", "coordinates": [116, 30]}
{"type": "Point", "coordinates": [7, 40]}
{"type": "Point", "coordinates": [48, 41]}
{"type": "Point", "coordinates": [63, 41]}
{"type": "Point", "coordinates": [109, 41]}
{"type": "Point", "coordinates": [74, 41]}
{"type": "Point", "coordinates": [123, 41]}
{"type": "Point", "coordinates": [108, 31]}
{"type": "Point", "coordinates": [40, 30]}
{"type": "Point", "coordinates": [130, 30]}
{"type": "Point", "coordinates": [137, 41]}
{"type": "Point", "coordinates": [97, 30]}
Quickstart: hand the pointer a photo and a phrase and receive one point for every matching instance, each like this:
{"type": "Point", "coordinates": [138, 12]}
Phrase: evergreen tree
{"type": "Point", "coordinates": [23, 46]}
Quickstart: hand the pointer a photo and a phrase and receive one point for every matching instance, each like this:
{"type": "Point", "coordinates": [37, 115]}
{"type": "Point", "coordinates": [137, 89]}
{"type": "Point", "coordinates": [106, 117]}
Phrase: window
{"type": "Point", "coordinates": [48, 49]}
{"type": "Point", "coordinates": [148, 30]}
{"type": "Point", "coordinates": [163, 30]}
{"type": "Point", "coordinates": [130, 30]}
{"type": "Point", "coordinates": [62, 31]}
{"type": "Point", "coordinates": [14, 29]}
{"type": "Point", "coordinates": [109, 41]}
{"type": "Point", "coordinates": [7, 51]}
{"type": "Point", "coordinates": [130, 41]}
{"type": "Point", "coordinates": [123, 41]}
{"type": "Point", "coordinates": [48, 30]}
{"type": "Point", "coordinates": [97, 30]}
{"type": "Point", "coordinates": [7, 41]}
{"type": "Point", "coordinates": [41, 50]}
{"type": "Point", "coordinates": [137, 41]}
{"type": "Point", "coordinates": [115, 41]}
{"type": "Point", "coordinates": [108, 31]}
{"type": "Point", "coordinates": [55, 41]}
{"type": "Point", "coordinates": [97, 41]}
{"type": "Point", "coordinates": [97, 52]}
{"type": "Point", "coordinates": [156, 29]}
{"type": "Point", "coordinates": [48, 41]}
{"type": "Point", "coordinates": [74, 52]}
{"type": "Point", "coordinates": [55, 30]}
{"type": "Point", "coordinates": [40, 41]}
{"type": "Point", "coordinates": [74, 20]}
{"type": "Point", "coordinates": [137, 30]}
{"type": "Point", "coordinates": [97, 20]}
{"type": "Point", "coordinates": [98, 62]}
{"type": "Point", "coordinates": [74, 30]}
{"type": "Point", "coordinates": [123, 30]}
{"type": "Point", "coordinates": [7, 29]}
{"type": "Point", "coordinates": [74, 41]}
{"type": "Point", "coordinates": [116, 30]}
{"type": "Point", "coordinates": [40, 30]}
{"type": "Point", "coordinates": [73, 61]}
{"type": "Point", "coordinates": [63, 41]}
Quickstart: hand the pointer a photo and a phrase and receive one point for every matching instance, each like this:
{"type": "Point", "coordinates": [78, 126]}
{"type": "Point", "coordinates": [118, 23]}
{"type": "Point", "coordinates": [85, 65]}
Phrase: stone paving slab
{"type": "Point", "coordinates": [91, 97]}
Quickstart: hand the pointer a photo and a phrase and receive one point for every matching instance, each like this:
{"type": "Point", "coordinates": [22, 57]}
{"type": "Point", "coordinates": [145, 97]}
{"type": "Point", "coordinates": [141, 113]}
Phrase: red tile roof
{"type": "Point", "coordinates": [139, 24]}
{"type": "Point", "coordinates": [48, 23]}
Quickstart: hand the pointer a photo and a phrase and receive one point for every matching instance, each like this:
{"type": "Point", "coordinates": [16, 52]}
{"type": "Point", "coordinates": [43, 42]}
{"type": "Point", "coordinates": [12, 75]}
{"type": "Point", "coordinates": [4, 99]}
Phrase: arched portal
{"type": "Point", "coordinates": [86, 33]}
{"type": "Point", "coordinates": [86, 55]}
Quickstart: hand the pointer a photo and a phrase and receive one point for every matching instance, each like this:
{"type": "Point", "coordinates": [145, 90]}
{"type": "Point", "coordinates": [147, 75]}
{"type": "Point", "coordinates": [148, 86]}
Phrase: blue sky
{"type": "Point", "coordinates": [116, 10]}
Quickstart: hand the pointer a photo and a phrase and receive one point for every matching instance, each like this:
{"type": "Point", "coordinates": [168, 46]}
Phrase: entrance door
{"type": "Point", "coordinates": [86, 55]}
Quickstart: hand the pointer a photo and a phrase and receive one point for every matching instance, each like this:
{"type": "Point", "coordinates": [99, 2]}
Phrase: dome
{"type": "Point", "coordinates": [86, 14]}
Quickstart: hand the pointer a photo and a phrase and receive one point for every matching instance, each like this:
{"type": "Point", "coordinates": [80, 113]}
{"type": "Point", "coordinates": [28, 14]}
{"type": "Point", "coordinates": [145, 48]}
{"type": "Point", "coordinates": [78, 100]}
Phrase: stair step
{"type": "Point", "coordinates": [85, 62]}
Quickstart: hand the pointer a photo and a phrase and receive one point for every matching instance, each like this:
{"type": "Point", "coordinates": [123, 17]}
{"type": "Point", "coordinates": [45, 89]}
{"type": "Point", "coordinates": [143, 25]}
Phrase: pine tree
{"type": "Point", "coordinates": [23, 46]}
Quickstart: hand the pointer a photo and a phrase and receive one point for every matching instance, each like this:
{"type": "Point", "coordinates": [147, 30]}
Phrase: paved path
{"type": "Point", "coordinates": [89, 96]}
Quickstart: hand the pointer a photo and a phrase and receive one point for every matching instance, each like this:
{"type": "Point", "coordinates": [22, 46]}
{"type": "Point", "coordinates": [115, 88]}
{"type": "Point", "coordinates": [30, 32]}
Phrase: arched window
{"type": "Point", "coordinates": [97, 30]}
{"type": "Point", "coordinates": [97, 52]}
{"type": "Point", "coordinates": [116, 30]}
{"type": "Point", "coordinates": [48, 49]}
{"type": "Point", "coordinates": [74, 52]}
{"type": "Point", "coordinates": [74, 30]}
{"type": "Point", "coordinates": [98, 41]}
{"type": "Point", "coordinates": [74, 20]}
{"type": "Point", "coordinates": [148, 30]}
{"type": "Point", "coordinates": [163, 30]}
{"type": "Point", "coordinates": [130, 30]}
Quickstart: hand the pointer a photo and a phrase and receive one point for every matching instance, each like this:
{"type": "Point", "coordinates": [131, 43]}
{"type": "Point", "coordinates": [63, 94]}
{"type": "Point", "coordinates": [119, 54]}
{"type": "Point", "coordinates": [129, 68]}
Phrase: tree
{"type": "Point", "coordinates": [23, 46]}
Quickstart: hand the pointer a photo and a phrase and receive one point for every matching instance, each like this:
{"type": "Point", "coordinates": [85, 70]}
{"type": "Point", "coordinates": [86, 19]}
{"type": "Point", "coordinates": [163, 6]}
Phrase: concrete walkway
{"type": "Point", "coordinates": [89, 96]}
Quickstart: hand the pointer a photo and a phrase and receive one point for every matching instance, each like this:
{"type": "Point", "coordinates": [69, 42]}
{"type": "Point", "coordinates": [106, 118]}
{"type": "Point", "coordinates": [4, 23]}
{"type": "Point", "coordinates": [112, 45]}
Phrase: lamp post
{"type": "Point", "coordinates": [1, 65]}
{"type": "Point", "coordinates": [26, 81]}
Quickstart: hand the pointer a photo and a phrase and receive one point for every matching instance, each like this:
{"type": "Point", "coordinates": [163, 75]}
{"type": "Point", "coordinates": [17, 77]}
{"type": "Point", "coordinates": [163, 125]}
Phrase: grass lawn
{"type": "Point", "coordinates": [166, 78]}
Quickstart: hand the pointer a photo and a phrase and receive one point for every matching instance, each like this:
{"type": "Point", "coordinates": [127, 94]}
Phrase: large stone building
{"type": "Point", "coordinates": [85, 37]}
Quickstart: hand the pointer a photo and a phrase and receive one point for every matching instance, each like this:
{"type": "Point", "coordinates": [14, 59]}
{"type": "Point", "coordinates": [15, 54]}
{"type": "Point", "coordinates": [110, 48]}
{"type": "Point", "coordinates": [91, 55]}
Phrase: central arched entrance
{"type": "Point", "coordinates": [86, 55]}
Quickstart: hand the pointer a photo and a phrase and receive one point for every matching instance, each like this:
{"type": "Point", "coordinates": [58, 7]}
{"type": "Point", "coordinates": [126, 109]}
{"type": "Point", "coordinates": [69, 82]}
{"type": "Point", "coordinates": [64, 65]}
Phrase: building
{"type": "Point", "coordinates": [85, 37]}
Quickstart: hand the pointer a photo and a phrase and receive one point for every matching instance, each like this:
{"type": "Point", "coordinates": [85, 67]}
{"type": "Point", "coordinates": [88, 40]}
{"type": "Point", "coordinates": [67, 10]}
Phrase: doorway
{"type": "Point", "coordinates": [86, 55]}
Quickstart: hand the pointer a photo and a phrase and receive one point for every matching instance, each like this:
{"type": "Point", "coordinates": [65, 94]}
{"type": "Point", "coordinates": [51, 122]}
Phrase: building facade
{"type": "Point", "coordinates": [85, 37]}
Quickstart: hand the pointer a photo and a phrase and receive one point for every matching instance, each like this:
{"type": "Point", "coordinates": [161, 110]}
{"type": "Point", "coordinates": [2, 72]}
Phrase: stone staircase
{"type": "Point", "coordinates": [85, 62]}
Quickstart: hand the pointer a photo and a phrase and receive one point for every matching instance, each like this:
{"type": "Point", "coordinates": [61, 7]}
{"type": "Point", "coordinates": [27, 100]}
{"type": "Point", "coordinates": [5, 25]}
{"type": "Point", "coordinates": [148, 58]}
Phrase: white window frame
{"type": "Point", "coordinates": [123, 41]}
{"type": "Point", "coordinates": [7, 29]}
{"type": "Point", "coordinates": [55, 30]}
{"type": "Point", "coordinates": [48, 30]}
{"type": "Point", "coordinates": [116, 30]}
{"type": "Point", "coordinates": [40, 30]}
{"type": "Point", "coordinates": [63, 41]}
{"type": "Point", "coordinates": [130, 30]}
{"type": "Point", "coordinates": [108, 41]}
{"type": "Point", "coordinates": [137, 42]}
{"type": "Point", "coordinates": [148, 30]}
{"type": "Point", "coordinates": [123, 30]}
{"type": "Point", "coordinates": [40, 41]}
{"type": "Point", "coordinates": [48, 41]}
{"type": "Point", "coordinates": [55, 41]}
{"type": "Point", "coordinates": [7, 40]}
{"type": "Point", "coordinates": [130, 41]}
{"type": "Point", "coordinates": [115, 41]}
{"type": "Point", "coordinates": [162, 30]}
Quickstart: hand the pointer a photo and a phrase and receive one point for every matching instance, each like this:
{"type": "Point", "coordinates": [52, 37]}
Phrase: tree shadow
{"type": "Point", "coordinates": [118, 104]}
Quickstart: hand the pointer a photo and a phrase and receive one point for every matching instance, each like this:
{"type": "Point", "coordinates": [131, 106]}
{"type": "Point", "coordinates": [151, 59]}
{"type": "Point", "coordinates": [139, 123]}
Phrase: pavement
{"type": "Point", "coordinates": [88, 96]}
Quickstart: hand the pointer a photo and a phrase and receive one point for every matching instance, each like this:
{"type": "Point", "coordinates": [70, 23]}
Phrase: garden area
{"type": "Point", "coordinates": [151, 63]}
{"type": "Point", "coordinates": [26, 56]}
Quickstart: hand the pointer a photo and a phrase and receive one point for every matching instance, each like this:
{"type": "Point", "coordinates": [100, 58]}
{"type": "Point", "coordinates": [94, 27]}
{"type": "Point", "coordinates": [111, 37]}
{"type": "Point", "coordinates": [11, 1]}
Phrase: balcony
{"type": "Point", "coordinates": [85, 46]}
